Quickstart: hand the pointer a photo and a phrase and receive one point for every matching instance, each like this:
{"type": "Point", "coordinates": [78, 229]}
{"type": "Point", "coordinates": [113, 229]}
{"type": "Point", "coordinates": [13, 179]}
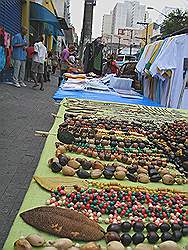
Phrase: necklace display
{"type": "Point", "coordinates": [133, 205]}
{"type": "Point", "coordinates": [123, 110]}
{"type": "Point", "coordinates": [138, 208]}
{"type": "Point", "coordinates": [140, 171]}
{"type": "Point", "coordinates": [127, 142]}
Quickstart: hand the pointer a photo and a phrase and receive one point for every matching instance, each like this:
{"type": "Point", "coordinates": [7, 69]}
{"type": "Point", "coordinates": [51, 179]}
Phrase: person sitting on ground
{"type": "Point", "coordinates": [40, 54]}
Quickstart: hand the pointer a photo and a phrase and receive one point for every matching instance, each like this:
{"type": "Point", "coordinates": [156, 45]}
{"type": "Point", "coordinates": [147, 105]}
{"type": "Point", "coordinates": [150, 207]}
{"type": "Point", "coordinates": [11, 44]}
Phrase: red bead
{"type": "Point", "coordinates": [103, 211]}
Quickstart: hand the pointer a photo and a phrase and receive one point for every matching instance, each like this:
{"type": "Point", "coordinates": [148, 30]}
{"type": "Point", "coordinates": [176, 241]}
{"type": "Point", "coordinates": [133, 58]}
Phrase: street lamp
{"type": "Point", "coordinates": [152, 8]}
{"type": "Point", "coordinates": [147, 25]}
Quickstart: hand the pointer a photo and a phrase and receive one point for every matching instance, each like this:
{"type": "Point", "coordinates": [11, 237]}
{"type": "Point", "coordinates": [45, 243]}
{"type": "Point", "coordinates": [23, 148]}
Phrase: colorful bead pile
{"type": "Point", "coordinates": [120, 205]}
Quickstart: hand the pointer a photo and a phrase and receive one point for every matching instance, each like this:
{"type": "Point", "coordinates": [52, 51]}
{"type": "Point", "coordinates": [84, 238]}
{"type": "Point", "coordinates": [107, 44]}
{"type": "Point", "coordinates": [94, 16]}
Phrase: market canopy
{"type": "Point", "coordinates": [39, 13]}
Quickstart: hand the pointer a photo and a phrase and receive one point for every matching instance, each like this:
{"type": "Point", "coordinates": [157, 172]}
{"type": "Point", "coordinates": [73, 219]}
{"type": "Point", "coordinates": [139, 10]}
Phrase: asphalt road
{"type": "Point", "coordinates": [22, 112]}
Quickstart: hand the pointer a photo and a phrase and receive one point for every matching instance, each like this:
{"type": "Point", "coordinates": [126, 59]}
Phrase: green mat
{"type": "Point", "coordinates": [37, 196]}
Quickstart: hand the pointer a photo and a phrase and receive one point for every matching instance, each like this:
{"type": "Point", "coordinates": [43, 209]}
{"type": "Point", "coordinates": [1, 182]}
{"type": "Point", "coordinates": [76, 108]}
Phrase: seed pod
{"type": "Point", "coordinates": [95, 174]}
{"type": "Point", "coordinates": [35, 240]}
{"type": "Point", "coordinates": [115, 245]}
{"type": "Point", "coordinates": [63, 244]}
{"type": "Point", "coordinates": [90, 246]}
{"type": "Point", "coordinates": [68, 171]}
{"type": "Point", "coordinates": [119, 175]}
{"type": "Point", "coordinates": [168, 179]}
{"type": "Point", "coordinates": [112, 236]}
{"type": "Point", "coordinates": [22, 244]}
{"type": "Point", "coordinates": [143, 178]}
{"type": "Point", "coordinates": [74, 164]}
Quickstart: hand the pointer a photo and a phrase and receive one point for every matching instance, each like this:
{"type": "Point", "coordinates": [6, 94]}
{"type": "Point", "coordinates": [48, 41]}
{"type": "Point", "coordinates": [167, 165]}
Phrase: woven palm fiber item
{"type": "Point", "coordinates": [50, 183]}
{"type": "Point", "coordinates": [63, 223]}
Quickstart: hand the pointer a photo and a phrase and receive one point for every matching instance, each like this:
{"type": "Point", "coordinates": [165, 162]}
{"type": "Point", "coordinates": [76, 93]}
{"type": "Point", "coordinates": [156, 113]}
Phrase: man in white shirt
{"type": "Point", "coordinates": [40, 54]}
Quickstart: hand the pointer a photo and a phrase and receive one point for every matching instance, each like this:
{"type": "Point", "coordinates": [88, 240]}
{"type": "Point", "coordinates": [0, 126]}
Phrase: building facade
{"type": "Point", "coordinates": [107, 24]}
{"type": "Point", "coordinates": [119, 17]}
{"type": "Point", "coordinates": [11, 15]}
{"type": "Point", "coordinates": [127, 14]}
{"type": "Point", "coordinates": [130, 37]}
{"type": "Point", "coordinates": [152, 33]}
{"type": "Point", "coordinates": [135, 13]}
{"type": "Point", "coordinates": [53, 20]}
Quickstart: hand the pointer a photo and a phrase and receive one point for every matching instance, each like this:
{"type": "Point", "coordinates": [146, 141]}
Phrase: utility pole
{"type": "Point", "coordinates": [86, 34]}
{"type": "Point", "coordinates": [111, 41]}
{"type": "Point", "coordinates": [131, 46]}
{"type": "Point", "coordinates": [147, 33]}
{"type": "Point", "coordinates": [147, 26]}
{"type": "Point", "coordinates": [119, 43]}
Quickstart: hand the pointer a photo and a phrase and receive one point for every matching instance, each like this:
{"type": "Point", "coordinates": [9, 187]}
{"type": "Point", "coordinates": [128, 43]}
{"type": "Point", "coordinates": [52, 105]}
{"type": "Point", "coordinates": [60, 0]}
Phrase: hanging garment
{"type": "Point", "coordinates": [97, 58]}
{"type": "Point", "coordinates": [146, 55]}
{"type": "Point", "coordinates": [173, 59]}
{"type": "Point", "coordinates": [88, 58]}
{"type": "Point", "coordinates": [2, 58]}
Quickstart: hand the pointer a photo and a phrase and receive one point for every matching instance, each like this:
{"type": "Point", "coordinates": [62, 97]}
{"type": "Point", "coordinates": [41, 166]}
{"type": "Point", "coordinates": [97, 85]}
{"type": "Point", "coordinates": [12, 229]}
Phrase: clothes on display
{"type": "Point", "coordinates": [162, 71]}
{"type": "Point", "coordinates": [5, 54]}
{"type": "Point", "coordinates": [2, 58]}
{"type": "Point", "coordinates": [93, 56]}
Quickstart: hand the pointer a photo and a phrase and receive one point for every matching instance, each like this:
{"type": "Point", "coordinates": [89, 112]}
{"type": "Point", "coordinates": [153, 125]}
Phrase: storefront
{"type": "Point", "coordinates": [11, 15]}
{"type": "Point", "coordinates": [43, 21]}
{"type": "Point", "coordinates": [10, 23]}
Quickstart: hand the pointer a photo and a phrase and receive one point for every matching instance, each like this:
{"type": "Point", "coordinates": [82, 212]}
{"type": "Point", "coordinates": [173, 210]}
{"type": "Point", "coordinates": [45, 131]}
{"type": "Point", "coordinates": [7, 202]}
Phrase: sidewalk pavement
{"type": "Point", "coordinates": [22, 112]}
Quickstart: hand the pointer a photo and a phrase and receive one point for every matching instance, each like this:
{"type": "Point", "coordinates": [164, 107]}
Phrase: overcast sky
{"type": "Point", "coordinates": [104, 7]}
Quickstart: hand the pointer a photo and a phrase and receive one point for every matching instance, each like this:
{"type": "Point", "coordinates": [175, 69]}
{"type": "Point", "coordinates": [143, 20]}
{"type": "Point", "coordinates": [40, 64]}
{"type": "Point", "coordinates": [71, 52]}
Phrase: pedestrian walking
{"type": "Point", "coordinates": [39, 56]}
{"type": "Point", "coordinates": [48, 67]}
{"type": "Point", "coordinates": [30, 52]}
{"type": "Point", "coordinates": [19, 55]}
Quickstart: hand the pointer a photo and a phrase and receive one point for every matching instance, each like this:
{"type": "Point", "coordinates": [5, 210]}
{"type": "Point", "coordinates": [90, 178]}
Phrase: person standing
{"type": "Point", "coordinates": [39, 56]}
{"type": "Point", "coordinates": [19, 54]}
{"type": "Point", "coordinates": [30, 52]}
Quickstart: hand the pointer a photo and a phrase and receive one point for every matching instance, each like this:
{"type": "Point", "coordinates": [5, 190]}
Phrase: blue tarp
{"type": "Point", "coordinates": [60, 95]}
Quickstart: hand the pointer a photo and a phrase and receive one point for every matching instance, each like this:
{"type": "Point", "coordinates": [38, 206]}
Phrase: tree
{"type": "Point", "coordinates": [175, 21]}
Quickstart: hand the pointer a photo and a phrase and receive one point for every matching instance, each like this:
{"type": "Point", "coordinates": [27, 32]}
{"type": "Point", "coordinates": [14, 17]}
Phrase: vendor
{"type": "Point", "coordinates": [65, 61]}
{"type": "Point", "coordinates": [111, 66]}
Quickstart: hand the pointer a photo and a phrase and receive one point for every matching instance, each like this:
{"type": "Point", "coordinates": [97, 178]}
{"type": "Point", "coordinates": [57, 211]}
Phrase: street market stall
{"type": "Point", "coordinates": [107, 89]}
{"type": "Point", "coordinates": [163, 71]}
{"type": "Point", "coordinates": [122, 167]}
